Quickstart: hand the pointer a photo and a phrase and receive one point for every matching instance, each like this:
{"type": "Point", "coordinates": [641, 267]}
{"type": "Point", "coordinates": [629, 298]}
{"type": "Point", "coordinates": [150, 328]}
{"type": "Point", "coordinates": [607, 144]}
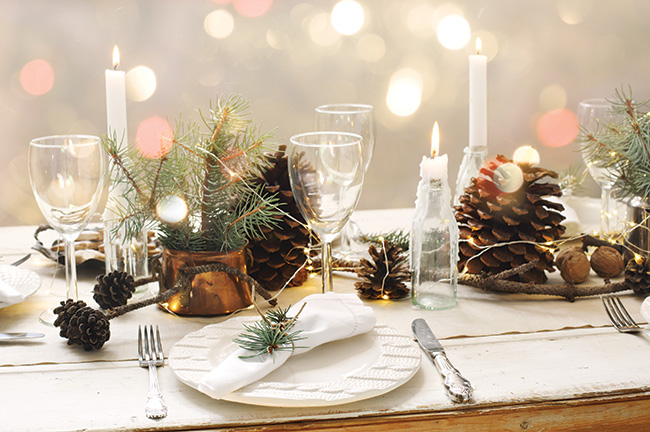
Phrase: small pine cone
{"type": "Point", "coordinates": [64, 312]}
{"type": "Point", "coordinates": [113, 289]}
{"type": "Point", "coordinates": [637, 275]}
{"type": "Point", "coordinates": [377, 284]}
{"type": "Point", "coordinates": [89, 328]}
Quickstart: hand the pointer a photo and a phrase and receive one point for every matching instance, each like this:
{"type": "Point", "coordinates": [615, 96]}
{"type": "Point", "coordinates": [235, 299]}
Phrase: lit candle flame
{"type": "Point", "coordinates": [435, 140]}
{"type": "Point", "coordinates": [116, 57]}
{"type": "Point", "coordinates": [479, 45]}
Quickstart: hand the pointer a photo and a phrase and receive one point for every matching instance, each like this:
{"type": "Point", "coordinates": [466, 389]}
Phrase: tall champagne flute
{"type": "Point", "coordinates": [67, 175]}
{"type": "Point", "coordinates": [594, 115]}
{"type": "Point", "coordinates": [326, 173]}
{"type": "Point", "coordinates": [353, 118]}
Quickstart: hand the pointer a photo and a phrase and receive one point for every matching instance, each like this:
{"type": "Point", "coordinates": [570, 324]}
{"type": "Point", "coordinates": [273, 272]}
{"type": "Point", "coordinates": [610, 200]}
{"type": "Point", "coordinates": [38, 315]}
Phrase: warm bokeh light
{"type": "Point", "coordinates": [526, 155]}
{"type": "Point", "coordinates": [172, 209]}
{"type": "Point", "coordinates": [552, 97]}
{"type": "Point", "coordinates": [371, 47]}
{"type": "Point", "coordinates": [453, 32]}
{"type": "Point", "coordinates": [321, 30]}
{"type": "Point", "coordinates": [404, 92]}
{"type": "Point", "coordinates": [573, 12]}
{"type": "Point", "coordinates": [252, 8]}
{"type": "Point", "coordinates": [219, 24]}
{"type": "Point", "coordinates": [140, 83]}
{"type": "Point", "coordinates": [154, 137]}
{"type": "Point", "coordinates": [557, 128]}
{"type": "Point", "coordinates": [37, 77]}
{"type": "Point", "coordinates": [419, 20]}
{"type": "Point", "coordinates": [435, 140]}
{"type": "Point", "coordinates": [347, 17]}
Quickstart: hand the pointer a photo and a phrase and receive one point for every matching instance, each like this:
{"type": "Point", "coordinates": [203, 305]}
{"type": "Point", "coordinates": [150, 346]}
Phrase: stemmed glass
{"type": "Point", "coordinates": [593, 115]}
{"type": "Point", "coordinates": [326, 174]}
{"type": "Point", "coordinates": [352, 118]}
{"type": "Point", "coordinates": [67, 176]}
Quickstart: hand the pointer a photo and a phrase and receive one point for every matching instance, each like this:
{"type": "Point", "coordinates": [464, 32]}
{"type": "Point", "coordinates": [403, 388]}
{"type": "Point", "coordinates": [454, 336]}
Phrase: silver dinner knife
{"type": "Point", "coordinates": [458, 387]}
{"type": "Point", "coordinates": [16, 336]}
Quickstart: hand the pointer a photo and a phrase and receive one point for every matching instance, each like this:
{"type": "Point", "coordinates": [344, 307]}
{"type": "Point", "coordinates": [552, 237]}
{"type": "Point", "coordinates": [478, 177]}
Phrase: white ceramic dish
{"type": "Point", "coordinates": [24, 281]}
{"type": "Point", "coordinates": [339, 372]}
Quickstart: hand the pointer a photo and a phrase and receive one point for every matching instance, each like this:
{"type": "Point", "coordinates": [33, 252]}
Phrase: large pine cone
{"type": "Point", "coordinates": [389, 259]}
{"type": "Point", "coordinates": [637, 275]}
{"type": "Point", "coordinates": [113, 289]}
{"type": "Point", "coordinates": [89, 328]}
{"type": "Point", "coordinates": [277, 258]}
{"type": "Point", "coordinates": [66, 311]}
{"type": "Point", "coordinates": [524, 220]}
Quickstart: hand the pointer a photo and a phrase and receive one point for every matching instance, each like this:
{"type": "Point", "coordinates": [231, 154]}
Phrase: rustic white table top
{"type": "Point", "coordinates": [520, 352]}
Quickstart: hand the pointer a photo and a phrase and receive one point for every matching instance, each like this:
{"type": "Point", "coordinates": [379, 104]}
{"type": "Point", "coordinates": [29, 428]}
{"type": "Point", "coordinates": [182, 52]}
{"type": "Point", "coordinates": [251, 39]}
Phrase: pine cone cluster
{"type": "Point", "coordinates": [82, 325]}
{"type": "Point", "coordinates": [637, 275]}
{"type": "Point", "coordinates": [524, 219]}
{"type": "Point", "coordinates": [384, 276]}
{"type": "Point", "coordinates": [278, 256]}
{"type": "Point", "coordinates": [113, 289]}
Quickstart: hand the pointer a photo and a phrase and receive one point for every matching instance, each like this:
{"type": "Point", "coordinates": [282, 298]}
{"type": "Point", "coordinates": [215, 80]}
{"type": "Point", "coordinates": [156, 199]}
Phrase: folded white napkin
{"type": "Point", "coordinates": [325, 318]}
{"type": "Point", "coordinates": [9, 295]}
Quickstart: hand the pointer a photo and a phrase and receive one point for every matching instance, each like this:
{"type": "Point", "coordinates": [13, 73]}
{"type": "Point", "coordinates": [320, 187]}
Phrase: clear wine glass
{"type": "Point", "coordinates": [67, 175]}
{"type": "Point", "coordinates": [593, 115]}
{"type": "Point", "coordinates": [353, 118]}
{"type": "Point", "coordinates": [326, 173]}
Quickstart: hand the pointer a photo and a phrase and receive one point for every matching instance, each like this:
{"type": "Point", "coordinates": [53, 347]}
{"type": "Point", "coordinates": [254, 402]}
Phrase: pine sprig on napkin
{"type": "Point", "coordinates": [272, 333]}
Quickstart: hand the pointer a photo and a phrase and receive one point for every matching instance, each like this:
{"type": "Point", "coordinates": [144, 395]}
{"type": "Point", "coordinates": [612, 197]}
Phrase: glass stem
{"type": "Point", "coordinates": [70, 270]}
{"type": "Point", "coordinates": [605, 211]}
{"type": "Point", "coordinates": [326, 270]}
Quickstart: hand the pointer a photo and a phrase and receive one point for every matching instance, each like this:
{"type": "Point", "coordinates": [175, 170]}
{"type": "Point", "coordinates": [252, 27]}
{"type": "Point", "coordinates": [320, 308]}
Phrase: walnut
{"type": "Point", "coordinates": [573, 264]}
{"type": "Point", "coordinates": [607, 262]}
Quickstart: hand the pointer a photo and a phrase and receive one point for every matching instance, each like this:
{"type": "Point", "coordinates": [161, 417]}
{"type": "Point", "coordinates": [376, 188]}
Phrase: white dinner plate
{"type": "Point", "coordinates": [338, 372]}
{"type": "Point", "coordinates": [24, 281]}
{"type": "Point", "coordinates": [645, 309]}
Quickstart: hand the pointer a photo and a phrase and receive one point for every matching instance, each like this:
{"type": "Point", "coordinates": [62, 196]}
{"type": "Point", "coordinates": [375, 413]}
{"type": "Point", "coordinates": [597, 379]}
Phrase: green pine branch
{"type": "Point", "coordinates": [210, 166]}
{"type": "Point", "coordinates": [621, 145]}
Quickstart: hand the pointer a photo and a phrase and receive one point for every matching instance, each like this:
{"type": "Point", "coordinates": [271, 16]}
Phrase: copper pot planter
{"type": "Point", "coordinates": [213, 293]}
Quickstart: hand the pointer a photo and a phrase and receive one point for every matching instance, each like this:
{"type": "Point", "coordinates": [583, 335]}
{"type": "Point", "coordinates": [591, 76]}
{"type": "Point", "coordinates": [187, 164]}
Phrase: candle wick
{"type": "Point", "coordinates": [115, 67]}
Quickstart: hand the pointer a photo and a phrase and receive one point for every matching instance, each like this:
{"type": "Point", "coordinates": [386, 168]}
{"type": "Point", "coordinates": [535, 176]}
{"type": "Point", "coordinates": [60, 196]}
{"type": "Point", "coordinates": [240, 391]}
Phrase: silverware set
{"type": "Point", "coordinates": [150, 355]}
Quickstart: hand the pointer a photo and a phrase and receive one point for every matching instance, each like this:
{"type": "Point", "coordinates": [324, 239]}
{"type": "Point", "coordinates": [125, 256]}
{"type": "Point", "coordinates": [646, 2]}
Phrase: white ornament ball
{"type": "Point", "coordinates": [172, 209]}
{"type": "Point", "coordinates": [508, 177]}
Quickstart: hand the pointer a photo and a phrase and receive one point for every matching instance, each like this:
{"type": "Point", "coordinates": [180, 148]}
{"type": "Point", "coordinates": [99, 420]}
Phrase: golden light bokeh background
{"type": "Point", "coordinates": [408, 58]}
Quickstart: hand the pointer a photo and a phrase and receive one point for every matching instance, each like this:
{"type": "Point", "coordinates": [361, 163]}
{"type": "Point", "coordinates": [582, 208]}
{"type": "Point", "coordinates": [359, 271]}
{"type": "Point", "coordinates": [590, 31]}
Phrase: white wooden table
{"type": "Point", "coordinates": [536, 364]}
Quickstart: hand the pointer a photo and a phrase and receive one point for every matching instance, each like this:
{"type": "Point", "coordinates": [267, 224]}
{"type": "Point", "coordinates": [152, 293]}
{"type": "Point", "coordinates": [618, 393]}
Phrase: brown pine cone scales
{"type": "Point", "coordinates": [66, 311]}
{"type": "Point", "coordinates": [89, 328]}
{"type": "Point", "coordinates": [113, 289]}
{"type": "Point", "coordinates": [278, 256]}
{"type": "Point", "coordinates": [637, 275]}
{"type": "Point", "coordinates": [384, 276]}
{"type": "Point", "coordinates": [524, 219]}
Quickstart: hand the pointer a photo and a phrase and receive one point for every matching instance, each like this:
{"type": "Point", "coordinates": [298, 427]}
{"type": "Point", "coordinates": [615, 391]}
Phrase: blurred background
{"type": "Point", "coordinates": [408, 58]}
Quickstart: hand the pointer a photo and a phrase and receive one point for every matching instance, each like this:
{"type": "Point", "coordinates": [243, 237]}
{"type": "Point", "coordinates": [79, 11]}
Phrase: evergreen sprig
{"type": "Point", "coordinates": [397, 237]}
{"type": "Point", "coordinates": [272, 333]}
{"type": "Point", "coordinates": [210, 165]}
{"type": "Point", "coordinates": [621, 145]}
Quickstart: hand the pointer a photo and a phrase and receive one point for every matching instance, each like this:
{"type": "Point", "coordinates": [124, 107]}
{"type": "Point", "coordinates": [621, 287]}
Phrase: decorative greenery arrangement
{"type": "Point", "coordinates": [272, 333]}
{"type": "Point", "coordinates": [207, 170]}
{"type": "Point", "coordinates": [622, 145]}
{"type": "Point", "coordinates": [83, 325]}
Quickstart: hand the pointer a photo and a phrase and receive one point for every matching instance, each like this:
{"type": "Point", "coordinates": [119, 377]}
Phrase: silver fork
{"type": "Point", "coordinates": [150, 354]}
{"type": "Point", "coordinates": [619, 316]}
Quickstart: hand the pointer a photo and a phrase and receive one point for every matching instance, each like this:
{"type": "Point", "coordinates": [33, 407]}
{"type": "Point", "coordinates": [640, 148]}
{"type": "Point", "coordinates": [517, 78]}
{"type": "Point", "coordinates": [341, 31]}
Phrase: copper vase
{"type": "Point", "coordinates": [213, 293]}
